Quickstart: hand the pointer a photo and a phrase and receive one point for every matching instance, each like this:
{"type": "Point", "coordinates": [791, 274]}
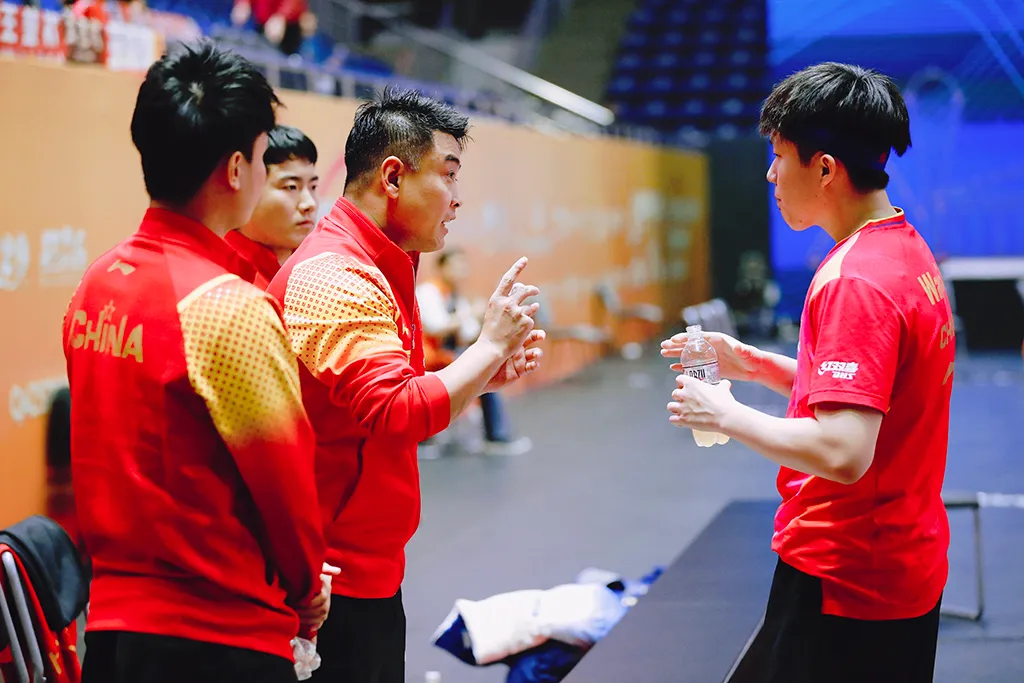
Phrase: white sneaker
{"type": "Point", "coordinates": [518, 446]}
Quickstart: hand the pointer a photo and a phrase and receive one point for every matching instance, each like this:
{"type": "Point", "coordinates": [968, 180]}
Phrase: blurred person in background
{"type": "Point", "coordinates": [126, 11]}
{"type": "Point", "coordinates": [862, 534]}
{"type": "Point", "coordinates": [191, 453]}
{"type": "Point", "coordinates": [285, 23]}
{"type": "Point", "coordinates": [286, 211]}
{"type": "Point", "coordinates": [348, 294]}
{"type": "Point", "coordinates": [451, 322]}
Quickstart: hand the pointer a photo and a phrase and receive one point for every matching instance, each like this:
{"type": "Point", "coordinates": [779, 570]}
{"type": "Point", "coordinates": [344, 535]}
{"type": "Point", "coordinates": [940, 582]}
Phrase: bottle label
{"type": "Point", "coordinates": [705, 372]}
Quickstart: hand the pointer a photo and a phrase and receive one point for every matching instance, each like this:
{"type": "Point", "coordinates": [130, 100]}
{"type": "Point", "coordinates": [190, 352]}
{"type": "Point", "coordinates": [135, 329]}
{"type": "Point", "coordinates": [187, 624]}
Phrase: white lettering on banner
{"type": "Point", "coordinates": [839, 370]}
{"type": "Point", "coordinates": [130, 47]}
{"type": "Point", "coordinates": [8, 23]}
{"type": "Point", "coordinates": [30, 27]}
{"type": "Point", "coordinates": [63, 257]}
{"type": "Point", "coordinates": [33, 400]}
{"type": "Point", "coordinates": [14, 260]}
{"type": "Point", "coordinates": [51, 30]}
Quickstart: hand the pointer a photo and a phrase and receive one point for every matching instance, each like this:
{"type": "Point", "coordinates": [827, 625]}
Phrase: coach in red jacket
{"type": "Point", "coordinates": [350, 308]}
{"type": "Point", "coordinates": [192, 456]}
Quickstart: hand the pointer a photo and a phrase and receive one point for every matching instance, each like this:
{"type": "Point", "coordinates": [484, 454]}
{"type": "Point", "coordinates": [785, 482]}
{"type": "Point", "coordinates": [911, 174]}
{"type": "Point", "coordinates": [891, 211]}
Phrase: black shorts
{"type": "Point", "coordinates": [362, 641]}
{"type": "Point", "coordinates": [799, 644]}
{"type": "Point", "coordinates": [125, 657]}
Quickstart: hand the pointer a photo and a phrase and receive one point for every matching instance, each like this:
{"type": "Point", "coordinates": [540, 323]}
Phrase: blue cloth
{"type": "Point", "coordinates": [547, 663]}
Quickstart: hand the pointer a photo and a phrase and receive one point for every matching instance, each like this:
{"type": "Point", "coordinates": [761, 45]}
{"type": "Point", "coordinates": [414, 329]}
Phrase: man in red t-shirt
{"type": "Point", "coordinates": [861, 533]}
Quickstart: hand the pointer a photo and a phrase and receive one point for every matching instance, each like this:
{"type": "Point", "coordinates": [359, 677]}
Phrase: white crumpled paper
{"type": "Point", "coordinates": [306, 658]}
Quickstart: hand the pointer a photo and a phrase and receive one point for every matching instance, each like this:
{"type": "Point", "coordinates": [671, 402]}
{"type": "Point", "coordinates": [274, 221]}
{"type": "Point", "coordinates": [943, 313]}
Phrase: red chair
{"type": "Point", "coordinates": [43, 589]}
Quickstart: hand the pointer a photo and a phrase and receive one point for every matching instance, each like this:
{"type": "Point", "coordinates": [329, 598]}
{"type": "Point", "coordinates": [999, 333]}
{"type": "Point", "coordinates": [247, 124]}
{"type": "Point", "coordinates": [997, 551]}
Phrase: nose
{"type": "Point", "coordinates": [772, 174]}
{"type": "Point", "coordinates": [307, 200]}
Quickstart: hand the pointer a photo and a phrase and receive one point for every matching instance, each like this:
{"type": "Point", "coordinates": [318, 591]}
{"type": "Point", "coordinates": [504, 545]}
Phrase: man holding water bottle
{"type": "Point", "coordinates": [861, 533]}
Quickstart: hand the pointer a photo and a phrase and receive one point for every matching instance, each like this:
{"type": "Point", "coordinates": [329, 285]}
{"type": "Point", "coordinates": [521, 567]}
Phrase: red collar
{"type": "Point", "coordinates": [261, 257]}
{"type": "Point", "coordinates": [368, 234]}
{"type": "Point", "coordinates": [164, 225]}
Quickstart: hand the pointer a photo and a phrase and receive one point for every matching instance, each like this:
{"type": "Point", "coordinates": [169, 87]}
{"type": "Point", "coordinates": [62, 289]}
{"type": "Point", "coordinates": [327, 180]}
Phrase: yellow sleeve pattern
{"type": "Point", "coordinates": [339, 310]}
{"type": "Point", "coordinates": [239, 361]}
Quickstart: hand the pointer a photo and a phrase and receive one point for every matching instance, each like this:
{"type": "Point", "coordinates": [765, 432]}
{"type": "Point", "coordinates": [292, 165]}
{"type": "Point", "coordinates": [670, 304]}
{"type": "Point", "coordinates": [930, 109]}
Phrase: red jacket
{"type": "Point", "coordinates": [263, 260]}
{"type": "Point", "coordinates": [350, 308]}
{"type": "Point", "coordinates": [192, 457]}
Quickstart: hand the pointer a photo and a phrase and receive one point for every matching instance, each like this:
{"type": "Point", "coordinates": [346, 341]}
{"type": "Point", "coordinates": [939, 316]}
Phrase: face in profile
{"type": "Point", "coordinates": [286, 212]}
{"type": "Point", "coordinates": [247, 178]}
{"type": "Point", "coordinates": [427, 197]}
{"type": "Point", "coordinates": [798, 186]}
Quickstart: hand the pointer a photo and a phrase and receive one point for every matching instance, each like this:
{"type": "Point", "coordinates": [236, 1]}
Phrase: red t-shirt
{"type": "Point", "coordinates": [876, 333]}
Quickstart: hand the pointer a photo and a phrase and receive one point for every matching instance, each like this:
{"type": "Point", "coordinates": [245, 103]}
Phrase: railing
{"type": "Point", "coordinates": [432, 56]}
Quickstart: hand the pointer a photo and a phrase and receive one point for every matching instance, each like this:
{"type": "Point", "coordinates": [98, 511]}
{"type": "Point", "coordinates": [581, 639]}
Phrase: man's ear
{"type": "Point", "coordinates": [829, 166]}
{"type": "Point", "coordinates": [391, 171]}
{"type": "Point", "coordinates": [233, 170]}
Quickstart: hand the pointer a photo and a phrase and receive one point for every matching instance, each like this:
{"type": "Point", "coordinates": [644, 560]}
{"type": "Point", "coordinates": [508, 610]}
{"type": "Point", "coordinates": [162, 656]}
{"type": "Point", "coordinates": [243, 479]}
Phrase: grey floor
{"type": "Point", "coordinates": [611, 484]}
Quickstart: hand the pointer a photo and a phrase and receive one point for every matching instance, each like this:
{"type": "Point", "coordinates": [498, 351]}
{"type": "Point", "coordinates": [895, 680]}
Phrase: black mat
{"type": "Point", "coordinates": [699, 615]}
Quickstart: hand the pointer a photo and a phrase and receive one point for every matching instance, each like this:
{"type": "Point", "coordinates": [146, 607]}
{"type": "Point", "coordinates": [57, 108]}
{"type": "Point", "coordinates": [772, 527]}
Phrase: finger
{"type": "Point", "coordinates": [531, 366]}
{"type": "Point", "coordinates": [676, 367]}
{"type": "Point", "coordinates": [727, 384]}
{"type": "Point", "coordinates": [675, 408]}
{"type": "Point", "coordinates": [531, 309]}
{"type": "Point", "coordinates": [677, 421]}
{"type": "Point", "coordinates": [677, 339]}
{"type": "Point", "coordinates": [671, 351]}
{"type": "Point", "coordinates": [679, 394]}
{"type": "Point", "coordinates": [509, 278]}
{"type": "Point", "coordinates": [682, 381]}
{"type": "Point", "coordinates": [533, 354]}
{"type": "Point", "coordinates": [523, 292]}
{"type": "Point", "coordinates": [330, 569]}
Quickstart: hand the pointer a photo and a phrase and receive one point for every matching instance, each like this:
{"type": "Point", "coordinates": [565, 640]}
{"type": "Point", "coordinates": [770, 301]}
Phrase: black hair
{"type": "Point", "coordinates": [197, 105]}
{"type": "Point", "coordinates": [286, 143]}
{"type": "Point", "coordinates": [399, 123]}
{"type": "Point", "coordinates": [855, 114]}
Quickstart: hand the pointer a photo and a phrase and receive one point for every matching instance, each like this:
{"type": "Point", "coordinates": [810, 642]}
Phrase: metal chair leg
{"type": "Point", "coordinates": [27, 627]}
{"type": "Point", "coordinates": [12, 636]}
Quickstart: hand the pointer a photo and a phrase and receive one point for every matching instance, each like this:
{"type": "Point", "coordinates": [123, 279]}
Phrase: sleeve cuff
{"type": "Point", "coordinates": [850, 398]}
{"type": "Point", "coordinates": [438, 401]}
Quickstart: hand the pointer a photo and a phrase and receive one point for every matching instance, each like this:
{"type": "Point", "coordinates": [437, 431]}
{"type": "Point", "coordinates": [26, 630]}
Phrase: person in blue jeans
{"type": "Point", "coordinates": [450, 323]}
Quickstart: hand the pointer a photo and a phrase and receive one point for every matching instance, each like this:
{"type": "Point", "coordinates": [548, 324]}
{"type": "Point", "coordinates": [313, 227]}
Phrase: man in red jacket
{"type": "Point", "coordinates": [350, 307]}
{"type": "Point", "coordinates": [192, 456]}
{"type": "Point", "coordinates": [286, 212]}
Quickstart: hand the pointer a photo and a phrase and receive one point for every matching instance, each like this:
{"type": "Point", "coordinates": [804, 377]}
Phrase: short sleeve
{"type": "Point", "coordinates": [857, 331]}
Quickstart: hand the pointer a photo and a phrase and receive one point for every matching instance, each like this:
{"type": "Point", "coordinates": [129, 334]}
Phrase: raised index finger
{"type": "Point", "coordinates": [509, 278]}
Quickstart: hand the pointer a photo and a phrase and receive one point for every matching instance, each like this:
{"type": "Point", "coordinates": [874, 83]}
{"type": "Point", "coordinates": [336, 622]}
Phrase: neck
{"type": "Point", "coordinates": [281, 253]}
{"type": "Point", "coordinates": [376, 209]}
{"type": "Point", "coordinates": [198, 211]}
{"type": "Point", "coordinates": [850, 216]}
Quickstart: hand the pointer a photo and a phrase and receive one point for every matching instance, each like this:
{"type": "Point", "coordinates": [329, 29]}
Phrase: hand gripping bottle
{"type": "Point", "coordinates": [700, 360]}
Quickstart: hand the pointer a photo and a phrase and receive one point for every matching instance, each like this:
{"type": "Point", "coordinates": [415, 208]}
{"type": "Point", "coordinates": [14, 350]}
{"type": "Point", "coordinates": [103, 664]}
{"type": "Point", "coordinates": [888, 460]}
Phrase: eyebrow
{"type": "Point", "coordinates": [297, 179]}
{"type": "Point", "coordinates": [452, 157]}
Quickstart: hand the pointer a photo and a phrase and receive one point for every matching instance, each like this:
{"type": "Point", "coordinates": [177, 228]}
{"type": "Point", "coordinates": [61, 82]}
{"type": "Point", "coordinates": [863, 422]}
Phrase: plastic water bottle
{"type": "Point", "coordinates": [700, 360]}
